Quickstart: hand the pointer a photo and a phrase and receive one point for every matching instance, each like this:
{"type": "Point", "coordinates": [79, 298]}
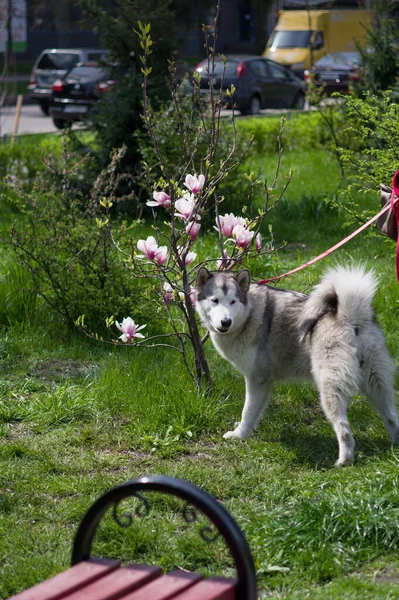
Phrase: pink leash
{"type": "Point", "coordinates": [395, 209]}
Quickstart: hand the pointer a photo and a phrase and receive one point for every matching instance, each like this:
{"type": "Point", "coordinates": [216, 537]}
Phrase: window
{"type": "Point", "coordinates": [291, 39]}
{"type": "Point", "coordinates": [58, 60]}
{"type": "Point", "coordinates": [218, 68]}
{"type": "Point", "coordinates": [277, 71]}
{"type": "Point", "coordinates": [259, 67]}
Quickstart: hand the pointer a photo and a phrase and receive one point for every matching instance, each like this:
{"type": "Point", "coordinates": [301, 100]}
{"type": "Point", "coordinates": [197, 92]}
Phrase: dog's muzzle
{"type": "Point", "coordinates": [225, 325]}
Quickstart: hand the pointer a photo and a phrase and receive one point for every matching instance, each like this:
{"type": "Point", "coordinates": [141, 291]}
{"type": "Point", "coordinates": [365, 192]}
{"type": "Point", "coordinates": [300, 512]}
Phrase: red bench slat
{"type": "Point", "coordinates": [165, 587]}
{"type": "Point", "coordinates": [67, 582]}
{"type": "Point", "coordinates": [214, 588]}
{"type": "Point", "coordinates": [118, 583]}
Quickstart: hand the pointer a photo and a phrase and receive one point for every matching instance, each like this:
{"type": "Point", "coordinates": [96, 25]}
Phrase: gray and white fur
{"type": "Point", "coordinates": [271, 334]}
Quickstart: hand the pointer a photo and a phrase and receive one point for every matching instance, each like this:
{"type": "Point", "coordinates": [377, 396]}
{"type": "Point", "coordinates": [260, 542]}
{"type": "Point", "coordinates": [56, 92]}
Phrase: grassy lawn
{"type": "Point", "coordinates": [77, 417]}
{"type": "Point", "coordinates": [12, 89]}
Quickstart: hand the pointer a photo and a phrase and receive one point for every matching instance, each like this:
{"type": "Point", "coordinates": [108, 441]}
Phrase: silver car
{"type": "Point", "coordinates": [53, 64]}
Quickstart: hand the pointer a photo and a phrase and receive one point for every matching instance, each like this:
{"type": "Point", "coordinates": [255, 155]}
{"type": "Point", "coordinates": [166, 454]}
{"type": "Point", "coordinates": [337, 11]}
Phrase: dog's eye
{"type": "Point", "coordinates": [233, 302]}
{"type": "Point", "coordinates": [215, 301]}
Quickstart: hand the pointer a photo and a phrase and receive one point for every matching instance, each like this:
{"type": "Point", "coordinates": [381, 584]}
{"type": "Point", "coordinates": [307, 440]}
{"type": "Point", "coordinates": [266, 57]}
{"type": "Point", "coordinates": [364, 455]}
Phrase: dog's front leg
{"type": "Point", "coordinates": [256, 400]}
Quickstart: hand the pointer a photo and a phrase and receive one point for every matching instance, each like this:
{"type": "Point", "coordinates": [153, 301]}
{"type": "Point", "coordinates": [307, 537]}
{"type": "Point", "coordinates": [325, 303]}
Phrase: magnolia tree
{"type": "Point", "coordinates": [179, 201]}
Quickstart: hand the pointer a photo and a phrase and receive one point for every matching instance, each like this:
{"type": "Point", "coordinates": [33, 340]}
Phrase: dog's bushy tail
{"type": "Point", "coordinates": [347, 292]}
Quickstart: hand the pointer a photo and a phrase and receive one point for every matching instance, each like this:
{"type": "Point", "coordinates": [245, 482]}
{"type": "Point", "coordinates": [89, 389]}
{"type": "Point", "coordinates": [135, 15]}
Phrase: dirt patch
{"type": "Point", "coordinates": [58, 370]}
{"type": "Point", "coordinates": [198, 456]}
{"type": "Point", "coordinates": [388, 575]}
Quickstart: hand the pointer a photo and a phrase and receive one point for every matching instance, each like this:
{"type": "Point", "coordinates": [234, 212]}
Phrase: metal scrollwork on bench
{"type": "Point", "coordinates": [126, 519]}
{"type": "Point", "coordinates": [190, 515]}
{"type": "Point", "coordinates": [196, 500]}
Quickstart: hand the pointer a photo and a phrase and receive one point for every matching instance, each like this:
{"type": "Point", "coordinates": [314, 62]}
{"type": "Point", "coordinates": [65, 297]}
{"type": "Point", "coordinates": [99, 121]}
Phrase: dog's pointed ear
{"type": "Point", "coordinates": [203, 275]}
{"type": "Point", "coordinates": [243, 279]}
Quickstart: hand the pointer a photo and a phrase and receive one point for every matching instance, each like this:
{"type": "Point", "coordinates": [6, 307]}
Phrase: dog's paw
{"type": "Point", "coordinates": [236, 434]}
{"type": "Point", "coordinates": [345, 462]}
{"type": "Point", "coordinates": [395, 438]}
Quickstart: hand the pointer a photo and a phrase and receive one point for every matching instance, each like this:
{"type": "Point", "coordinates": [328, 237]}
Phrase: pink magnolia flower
{"type": "Point", "coordinates": [258, 243]}
{"type": "Point", "coordinates": [160, 199]}
{"type": "Point", "coordinates": [168, 295]}
{"type": "Point", "coordinates": [194, 183]}
{"type": "Point", "coordinates": [242, 236]}
{"type": "Point", "coordinates": [241, 221]}
{"type": "Point", "coordinates": [185, 206]}
{"type": "Point", "coordinates": [193, 229]}
{"type": "Point", "coordinates": [148, 247]}
{"type": "Point", "coordinates": [152, 251]}
{"type": "Point", "coordinates": [161, 255]}
{"type": "Point", "coordinates": [129, 329]}
{"type": "Point", "coordinates": [190, 257]}
{"type": "Point", "coordinates": [227, 223]}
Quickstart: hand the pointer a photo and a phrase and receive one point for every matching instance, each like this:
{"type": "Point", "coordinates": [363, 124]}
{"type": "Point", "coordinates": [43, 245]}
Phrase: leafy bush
{"type": "Point", "coordinates": [62, 242]}
{"type": "Point", "coordinates": [368, 152]}
{"type": "Point", "coordinates": [371, 155]}
{"type": "Point", "coordinates": [306, 130]}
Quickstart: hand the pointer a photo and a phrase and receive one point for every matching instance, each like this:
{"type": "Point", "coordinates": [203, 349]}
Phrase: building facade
{"type": "Point", "coordinates": [244, 25]}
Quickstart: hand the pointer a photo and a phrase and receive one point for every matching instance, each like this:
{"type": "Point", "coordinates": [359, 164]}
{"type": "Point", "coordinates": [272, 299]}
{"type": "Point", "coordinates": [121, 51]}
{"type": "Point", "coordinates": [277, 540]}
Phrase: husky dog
{"type": "Point", "coordinates": [271, 334]}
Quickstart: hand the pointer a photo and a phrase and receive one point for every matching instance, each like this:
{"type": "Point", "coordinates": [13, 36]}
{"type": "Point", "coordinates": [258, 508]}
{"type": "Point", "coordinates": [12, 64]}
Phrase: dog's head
{"type": "Point", "coordinates": [222, 299]}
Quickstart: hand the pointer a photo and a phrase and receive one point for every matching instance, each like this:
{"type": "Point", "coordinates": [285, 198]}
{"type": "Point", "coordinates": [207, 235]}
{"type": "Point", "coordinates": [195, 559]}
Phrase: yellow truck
{"type": "Point", "coordinates": [301, 37]}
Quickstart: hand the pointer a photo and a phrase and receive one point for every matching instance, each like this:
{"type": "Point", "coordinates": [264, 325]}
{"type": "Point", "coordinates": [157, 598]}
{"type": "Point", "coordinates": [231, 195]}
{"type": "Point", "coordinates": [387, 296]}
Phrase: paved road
{"type": "Point", "coordinates": [32, 120]}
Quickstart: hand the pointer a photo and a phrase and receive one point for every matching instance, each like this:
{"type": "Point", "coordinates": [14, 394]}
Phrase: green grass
{"type": "Point", "coordinates": [12, 89]}
{"type": "Point", "coordinates": [77, 417]}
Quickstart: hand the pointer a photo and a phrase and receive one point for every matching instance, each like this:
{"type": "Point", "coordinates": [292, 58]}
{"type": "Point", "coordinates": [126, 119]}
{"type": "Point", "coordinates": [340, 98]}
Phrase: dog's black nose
{"type": "Point", "coordinates": [225, 323]}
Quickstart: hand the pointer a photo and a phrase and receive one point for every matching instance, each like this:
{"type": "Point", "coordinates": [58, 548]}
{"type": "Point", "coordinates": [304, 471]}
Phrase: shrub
{"type": "Point", "coordinates": [370, 154]}
{"type": "Point", "coordinates": [306, 131]}
{"type": "Point", "coordinates": [73, 262]}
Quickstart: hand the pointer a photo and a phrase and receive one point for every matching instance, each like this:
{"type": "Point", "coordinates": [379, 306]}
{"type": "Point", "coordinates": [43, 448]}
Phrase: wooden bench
{"type": "Point", "coordinates": [104, 579]}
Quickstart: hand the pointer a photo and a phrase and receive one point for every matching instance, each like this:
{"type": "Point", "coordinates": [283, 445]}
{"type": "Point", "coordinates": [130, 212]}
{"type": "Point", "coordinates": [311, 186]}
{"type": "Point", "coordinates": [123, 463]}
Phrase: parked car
{"type": "Point", "coordinates": [75, 95]}
{"type": "Point", "coordinates": [259, 83]}
{"type": "Point", "coordinates": [336, 71]}
{"type": "Point", "coordinates": [52, 64]}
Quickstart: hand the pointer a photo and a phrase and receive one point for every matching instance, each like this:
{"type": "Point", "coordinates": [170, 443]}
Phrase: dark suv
{"type": "Point", "coordinates": [259, 83]}
{"type": "Point", "coordinates": [77, 93]}
{"type": "Point", "coordinates": [52, 64]}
